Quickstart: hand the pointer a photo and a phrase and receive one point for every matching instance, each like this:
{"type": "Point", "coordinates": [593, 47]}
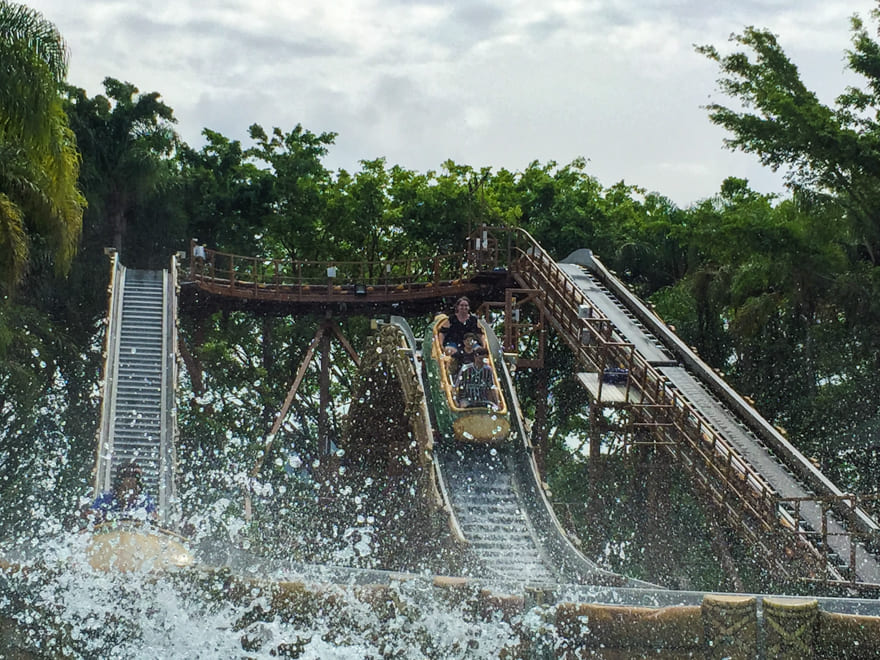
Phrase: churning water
{"type": "Point", "coordinates": [231, 604]}
{"type": "Point", "coordinates": [55, 605]}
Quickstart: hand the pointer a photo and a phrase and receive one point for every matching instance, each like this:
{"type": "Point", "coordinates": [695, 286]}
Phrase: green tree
{"type": "Point", "coordinates": [41, 213]}
{"type": "Point", "coordinates": [561, 207]}
{"type": "Point", "coordinates": [820, 282]}
{"type": "Point", "coordinates": [40, 204]}
{"type": "Point", "coordinates": [651, 252]}
{"type": "Point", "coordinates": [127, 142]}
{"type": "Point", "coordinates": [297, 221]}
{"type": "Point", "coordinates": [825, 151]}
{"type": "Point", "coordinates": [360, 214]}
{"type": "Point", "coordinates": [227, 198]}
{"type": "Point", "coordinates": [435, 210]}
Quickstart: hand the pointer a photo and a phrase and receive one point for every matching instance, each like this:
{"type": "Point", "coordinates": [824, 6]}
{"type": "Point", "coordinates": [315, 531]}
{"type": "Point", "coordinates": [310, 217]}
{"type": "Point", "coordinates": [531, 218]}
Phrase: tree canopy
{"type": "Point", "coordinates": [804, 295]}
{"type": "Point", "coordinates": [829, 152]}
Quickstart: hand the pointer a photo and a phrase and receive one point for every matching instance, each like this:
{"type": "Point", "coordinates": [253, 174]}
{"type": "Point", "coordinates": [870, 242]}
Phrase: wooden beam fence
{"type": "Point", "coordinates": [742, 491]}
{"type": "Point", "coordinates": [257, 277]}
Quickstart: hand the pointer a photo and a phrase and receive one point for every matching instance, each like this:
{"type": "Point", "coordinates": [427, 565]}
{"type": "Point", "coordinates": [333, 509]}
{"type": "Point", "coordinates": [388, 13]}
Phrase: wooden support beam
{"type": "Point", "coordinates": [324, 391]}
{"type": "Point", "coordinates": [291, 394]}
{"type": "Point", "coordinates": [539, 427]}
{"type": "Point", "coordinates": [346, 345]}
{"type": "Point", "coordinates": [321, 338]}
{"type": "Point", "coordinates": [595, 434]}
{"type": "Point", "coordinates": [279, 420]}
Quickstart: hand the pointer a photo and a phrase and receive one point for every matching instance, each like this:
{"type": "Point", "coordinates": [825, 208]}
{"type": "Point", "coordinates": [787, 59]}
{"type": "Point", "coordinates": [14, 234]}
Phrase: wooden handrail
{"type": "Point", "coordinates": [237, 270]}
{"type": "Point", "coordinates": [564, 301]}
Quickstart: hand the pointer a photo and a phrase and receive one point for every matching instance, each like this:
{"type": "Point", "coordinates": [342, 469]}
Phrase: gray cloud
{"type": "Point", "coordinates": [485, 82]}
{"type": "Point", "coordinates": [479, 16]}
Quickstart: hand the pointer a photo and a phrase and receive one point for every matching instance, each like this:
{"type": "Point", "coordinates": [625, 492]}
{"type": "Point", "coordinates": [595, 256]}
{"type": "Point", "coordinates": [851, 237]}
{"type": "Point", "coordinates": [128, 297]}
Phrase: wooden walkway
{"type": "Point", "coordinates": [248, 281]}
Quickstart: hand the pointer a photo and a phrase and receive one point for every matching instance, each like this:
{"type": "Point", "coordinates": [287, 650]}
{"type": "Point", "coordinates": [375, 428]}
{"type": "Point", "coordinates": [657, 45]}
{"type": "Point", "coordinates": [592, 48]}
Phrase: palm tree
{"type": "Point", "coordinates": [40, 202]}
{"type": "Point", "coordinates": [126, 138]}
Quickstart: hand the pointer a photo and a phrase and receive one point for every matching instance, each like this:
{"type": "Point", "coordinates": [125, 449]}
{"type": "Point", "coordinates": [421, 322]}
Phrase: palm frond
{"type": "Point", "coordinates": [13, 245]}
{"type": "Point", "coordinates": [28, 29]}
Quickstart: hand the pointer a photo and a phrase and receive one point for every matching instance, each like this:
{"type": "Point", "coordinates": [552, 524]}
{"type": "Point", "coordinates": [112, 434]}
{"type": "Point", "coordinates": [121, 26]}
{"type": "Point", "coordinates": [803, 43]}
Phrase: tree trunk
{"type": "Point", "coordinates": [116, 215]}
{"type": "Point", "coordinates": [193, 366]}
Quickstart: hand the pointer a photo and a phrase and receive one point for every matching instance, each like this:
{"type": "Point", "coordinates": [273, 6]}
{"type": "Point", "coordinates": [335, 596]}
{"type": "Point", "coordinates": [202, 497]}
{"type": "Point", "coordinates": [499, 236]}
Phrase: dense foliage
{"type": "Point", "coordinates": [782, 295]}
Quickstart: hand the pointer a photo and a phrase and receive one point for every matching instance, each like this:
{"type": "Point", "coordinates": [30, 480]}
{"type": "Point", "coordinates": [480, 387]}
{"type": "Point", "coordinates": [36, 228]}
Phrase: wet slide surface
{"type": "Point", "coordinates": [492, 518]}
{"type": "Point", "coordinates": [498, 505]}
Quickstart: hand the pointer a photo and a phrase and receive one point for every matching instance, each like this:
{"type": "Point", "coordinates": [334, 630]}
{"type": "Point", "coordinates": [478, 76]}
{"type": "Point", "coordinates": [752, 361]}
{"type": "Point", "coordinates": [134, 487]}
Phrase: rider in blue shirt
{"type": "Point", "coordinates": [127, 500]}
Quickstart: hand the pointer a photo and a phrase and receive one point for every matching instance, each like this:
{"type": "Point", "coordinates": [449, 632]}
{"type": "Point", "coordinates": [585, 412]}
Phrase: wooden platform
{"type": "Point", "coordinates": [611, 394]}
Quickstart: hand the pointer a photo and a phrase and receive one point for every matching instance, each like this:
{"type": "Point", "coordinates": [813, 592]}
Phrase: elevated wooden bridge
{"type": "Point", "coordinates": [628, 359]}
{"type": "Point", "coordinates": [219, 278]}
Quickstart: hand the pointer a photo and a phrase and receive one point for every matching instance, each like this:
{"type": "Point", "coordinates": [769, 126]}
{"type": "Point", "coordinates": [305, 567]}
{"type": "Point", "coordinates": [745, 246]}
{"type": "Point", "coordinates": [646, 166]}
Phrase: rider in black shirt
{"type": "Point", "coordinates": [461, 323]}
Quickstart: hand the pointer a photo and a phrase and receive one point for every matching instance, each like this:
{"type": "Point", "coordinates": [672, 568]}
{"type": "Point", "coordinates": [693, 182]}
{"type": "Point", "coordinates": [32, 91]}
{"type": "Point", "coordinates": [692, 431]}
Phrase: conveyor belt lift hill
{"type": "Point", "coordinates": [139, 414]}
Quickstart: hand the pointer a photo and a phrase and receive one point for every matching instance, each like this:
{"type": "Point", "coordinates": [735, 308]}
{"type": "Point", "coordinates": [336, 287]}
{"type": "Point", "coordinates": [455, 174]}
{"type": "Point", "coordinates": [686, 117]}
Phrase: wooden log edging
{"type": "Point", "coordinates": [730, 626]}
{"type": "Point", "coordinates": [380, 604]}
{"type": "Point", "coordinates": [723, 626]}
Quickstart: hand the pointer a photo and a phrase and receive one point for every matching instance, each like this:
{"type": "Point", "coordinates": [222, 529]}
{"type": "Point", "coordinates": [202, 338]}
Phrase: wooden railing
{"type": "Point", "coordinates": [742, 493]}
{"type": "Point", "coordinates": [789, 525]}
{"type": "Point", "coordinates": [655, 404]}
{"type": "Point", "coordinates": [266, 278]}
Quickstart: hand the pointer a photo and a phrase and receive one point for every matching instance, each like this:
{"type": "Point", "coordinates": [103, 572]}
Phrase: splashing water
{"type": "Point", "coordinates": [54, 604]}
{"type": "Point", "coordinates": [58, 606]}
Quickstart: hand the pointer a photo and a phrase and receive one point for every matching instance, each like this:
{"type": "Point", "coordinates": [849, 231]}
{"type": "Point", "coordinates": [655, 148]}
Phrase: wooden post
{"type": "Point", "coordinates": [539, 428]}
{"type": "Point", "coordinates": [323, 419]}
{"type": "Point", "coordinates": [542, 335]}
{"type": "Point", "coordinates": [509, 341]}
{"type": "Point", "coordinates": [595, 432]}
{"type": "Point", "coordinates": [730, 627]}
{"type": "Point", "coordinates": [790, 626]}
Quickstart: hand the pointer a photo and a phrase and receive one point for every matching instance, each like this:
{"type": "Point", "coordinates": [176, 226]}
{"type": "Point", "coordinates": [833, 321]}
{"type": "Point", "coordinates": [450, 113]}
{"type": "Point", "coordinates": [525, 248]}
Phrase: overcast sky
{"type": "Point", "coordinates": [496, 83]}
